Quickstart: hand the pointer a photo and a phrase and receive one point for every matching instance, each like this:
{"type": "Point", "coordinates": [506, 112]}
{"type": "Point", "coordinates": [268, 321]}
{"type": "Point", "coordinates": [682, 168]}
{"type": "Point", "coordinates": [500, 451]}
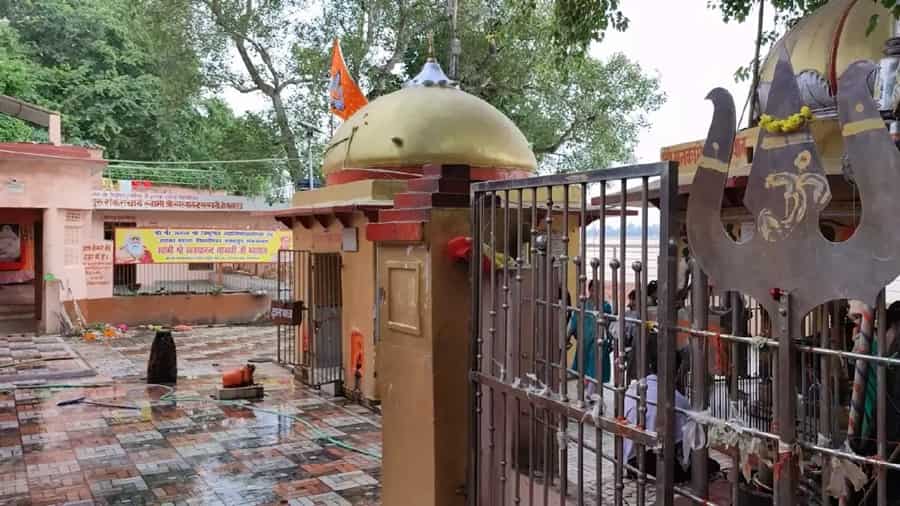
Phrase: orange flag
{"type": "Point", "coordinates": [345, 97]}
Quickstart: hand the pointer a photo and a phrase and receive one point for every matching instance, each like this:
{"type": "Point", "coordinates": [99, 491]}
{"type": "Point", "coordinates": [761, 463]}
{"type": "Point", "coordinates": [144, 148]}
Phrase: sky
{"type": "Point", "coordinates": [691, 50]}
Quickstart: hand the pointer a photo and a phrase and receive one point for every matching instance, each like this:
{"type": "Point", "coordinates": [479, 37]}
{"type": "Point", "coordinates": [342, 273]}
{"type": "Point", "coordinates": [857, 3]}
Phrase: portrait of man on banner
{"type": "Point", "coordinates": [134, 252]}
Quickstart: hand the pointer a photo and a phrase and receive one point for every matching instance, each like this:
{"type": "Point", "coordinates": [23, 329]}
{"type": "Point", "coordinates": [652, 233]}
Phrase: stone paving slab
{"type": "Point", "coordinates": [192, 453]}
{"type": "Point", "coordinates": [22, 350]}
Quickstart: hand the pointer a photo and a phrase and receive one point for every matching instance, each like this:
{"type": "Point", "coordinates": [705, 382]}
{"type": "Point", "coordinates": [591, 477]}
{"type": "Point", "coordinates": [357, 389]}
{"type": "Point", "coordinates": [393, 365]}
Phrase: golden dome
{"type": "Point", "coordinates": [831, 38]}
{"type": "Point", "coordinates": [430, 123]}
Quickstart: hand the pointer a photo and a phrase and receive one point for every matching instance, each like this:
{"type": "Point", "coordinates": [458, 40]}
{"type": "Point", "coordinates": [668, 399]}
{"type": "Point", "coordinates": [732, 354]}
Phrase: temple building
{"type": "Point", "coordinates": [386, 168]}
{"type": "Point", "coordinates": [58, 221]}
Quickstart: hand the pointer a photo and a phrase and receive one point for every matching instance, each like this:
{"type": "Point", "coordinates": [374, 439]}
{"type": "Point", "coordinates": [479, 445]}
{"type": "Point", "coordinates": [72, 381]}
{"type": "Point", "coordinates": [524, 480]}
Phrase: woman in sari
{"type": "Point", "coordinates": [588, 343]}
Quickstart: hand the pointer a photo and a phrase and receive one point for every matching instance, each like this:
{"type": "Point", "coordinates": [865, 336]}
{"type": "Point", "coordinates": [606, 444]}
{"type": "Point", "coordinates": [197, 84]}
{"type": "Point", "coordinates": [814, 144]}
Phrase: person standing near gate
{"type": "Point", "coordinates": [588, 344]}
{"type": "Point", "coordinates": [682, 472]}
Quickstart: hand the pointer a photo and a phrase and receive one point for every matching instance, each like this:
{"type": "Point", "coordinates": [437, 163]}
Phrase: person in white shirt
{"type": "Point", "coordinates": [682, 473]}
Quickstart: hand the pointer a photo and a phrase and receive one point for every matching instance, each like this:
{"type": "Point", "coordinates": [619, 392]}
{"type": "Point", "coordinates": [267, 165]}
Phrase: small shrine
{"type": "Point", "coordinates": [385, 169]}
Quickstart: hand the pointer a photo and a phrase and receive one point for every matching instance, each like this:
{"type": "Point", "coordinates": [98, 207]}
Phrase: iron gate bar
{"type": "Point", "coordinates": [881, 396]}
{"type": "Point", "coordinates": [619, 362]}
{"type": "Point", "coordinates": [610, 424]}
{"type": "Point", "coordinates": [288, 287]}
{"type": "Point", "coordinates": [733, 388]}
{"type": "Point", "coordinates": [766, 342]}
{"type": "Point", "coordinates": [598, 274]}
{"type": "Point", "coordinates": [496, 442]}
{"type": "Point", "coordinates": [667, 274]}
{"type": "Point", "coordinates": [655, 169]}
{"type": "Point", "coordinates": [642, 356]}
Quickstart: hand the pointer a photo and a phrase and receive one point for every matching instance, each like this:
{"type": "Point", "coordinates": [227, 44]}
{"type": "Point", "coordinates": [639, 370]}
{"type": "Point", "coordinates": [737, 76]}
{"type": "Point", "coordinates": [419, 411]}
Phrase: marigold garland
{"type": "Point", "coordinates": [787, 125]}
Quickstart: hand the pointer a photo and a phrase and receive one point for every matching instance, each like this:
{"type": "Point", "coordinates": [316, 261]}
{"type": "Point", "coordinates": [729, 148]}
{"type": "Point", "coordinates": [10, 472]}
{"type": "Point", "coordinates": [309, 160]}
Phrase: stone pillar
{"type": "Point", "coordinates": [425, 330]}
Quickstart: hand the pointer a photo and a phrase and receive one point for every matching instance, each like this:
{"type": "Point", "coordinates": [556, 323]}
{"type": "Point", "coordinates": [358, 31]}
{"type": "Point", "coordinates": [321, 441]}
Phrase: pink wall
{"type": "Point", "coordinates": [64, 181]}
{"type": "Point", "coordinates": [59, 183]}
{"type": "Point", "coordinates": [186, 219]}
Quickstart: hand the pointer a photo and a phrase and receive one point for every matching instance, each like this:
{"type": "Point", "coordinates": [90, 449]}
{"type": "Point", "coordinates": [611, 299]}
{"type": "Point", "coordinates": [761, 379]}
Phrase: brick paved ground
{"type": "Point", "coordinates": [21, 359]}
{"type": "Point", "coordinates": [202, 453]}
{"type": "Point", "coordinates": [191, 452]}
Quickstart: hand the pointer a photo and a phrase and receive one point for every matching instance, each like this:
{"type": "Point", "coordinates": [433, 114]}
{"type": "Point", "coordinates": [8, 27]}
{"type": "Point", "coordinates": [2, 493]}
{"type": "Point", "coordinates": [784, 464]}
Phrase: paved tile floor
{"type": "Point", "coordinates": [192, 451]}
{"type": "Point", "coordinates": [27, 357]}
{"type": "Point", "coordinates": [199, 452]}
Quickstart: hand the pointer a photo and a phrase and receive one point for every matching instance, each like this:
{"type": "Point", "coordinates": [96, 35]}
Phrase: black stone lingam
{"type": "Point", "coordinates": [162, 367]}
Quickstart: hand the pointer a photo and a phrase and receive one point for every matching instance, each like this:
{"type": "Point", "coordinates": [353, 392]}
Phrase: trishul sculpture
{"type": "Point", "coordinates": [788, 265]}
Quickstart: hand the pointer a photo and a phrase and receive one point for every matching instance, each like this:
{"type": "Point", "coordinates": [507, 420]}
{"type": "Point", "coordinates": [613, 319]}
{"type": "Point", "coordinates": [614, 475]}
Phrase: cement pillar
{"type": "Point", "coordinates": [53, 256]}
{"type": "Point", "coordinates": [423, 354]}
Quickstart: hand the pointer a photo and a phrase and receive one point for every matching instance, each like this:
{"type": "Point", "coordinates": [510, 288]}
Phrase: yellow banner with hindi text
{"type": "Point", "coordinates": [191, 245]}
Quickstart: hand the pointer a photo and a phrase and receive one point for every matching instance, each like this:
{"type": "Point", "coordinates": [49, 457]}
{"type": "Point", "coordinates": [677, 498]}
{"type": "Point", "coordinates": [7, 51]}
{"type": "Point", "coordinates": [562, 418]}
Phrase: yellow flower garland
{"type": "Point", "coordinates": [787, 125]}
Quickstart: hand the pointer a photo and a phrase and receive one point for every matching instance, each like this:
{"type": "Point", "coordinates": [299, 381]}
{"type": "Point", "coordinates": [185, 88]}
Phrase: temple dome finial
{"type": "Point", "coordinates": [431, 74]}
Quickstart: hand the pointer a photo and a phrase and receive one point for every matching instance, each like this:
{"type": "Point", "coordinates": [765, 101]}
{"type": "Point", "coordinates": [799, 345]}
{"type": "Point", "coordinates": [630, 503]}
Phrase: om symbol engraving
{"type": "Point", "coordinates": [796, 202]}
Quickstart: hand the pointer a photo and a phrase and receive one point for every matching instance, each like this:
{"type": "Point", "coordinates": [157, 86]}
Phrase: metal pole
{"type": "Point", "coordinates": [455, 45]}
{"type": "Point", "coordinates": [786, 469]}
{"type": "Point", "coordinates": [881, 406]}
{"type": "Point", "coordinates": [309, 166]}
{"type": "Point", "coordinates": [665, 418]}
{"type": "Point", "coordinates": [738, 365]}
{"type": "Point", "coordinates": [699, 397]}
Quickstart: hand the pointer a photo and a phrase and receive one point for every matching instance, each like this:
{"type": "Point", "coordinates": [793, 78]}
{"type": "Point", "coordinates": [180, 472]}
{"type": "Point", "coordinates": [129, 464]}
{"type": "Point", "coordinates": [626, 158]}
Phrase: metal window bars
{"type": "Point", "coordinates": [195, 278]}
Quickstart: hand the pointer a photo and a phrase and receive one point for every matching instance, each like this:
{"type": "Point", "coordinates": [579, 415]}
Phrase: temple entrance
{"type": "Point", "coordinates": [124, 275]}
{"type": "Point", "coordinates": [308, 311]}
{"type": "Point", "coordinates": [322, 364]}
{"type": "Point", "coordinates": [21, 251]}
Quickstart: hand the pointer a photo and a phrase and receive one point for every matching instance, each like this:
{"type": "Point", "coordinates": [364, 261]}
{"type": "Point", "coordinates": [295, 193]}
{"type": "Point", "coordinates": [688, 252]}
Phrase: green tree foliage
{"type": "Point", "coordinates": [126, 76]}
{"type": "Point", "coordinates": [140, 77]}
{"type": "Point", "coordinates": [16, 79]}
{"type": "Point", "coordinates": [260, 33]}
{"type": "Point", "coordinates": [577, 111]}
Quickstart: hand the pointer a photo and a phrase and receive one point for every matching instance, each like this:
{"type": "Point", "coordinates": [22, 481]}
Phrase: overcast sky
{"type": "Point", "coordinates": [689, 48]}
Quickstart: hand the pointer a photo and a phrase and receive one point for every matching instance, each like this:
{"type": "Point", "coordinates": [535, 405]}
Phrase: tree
{"type": "Point", "coordinates": [16, 79]}
{"type": "Point", "coordinates": [260, 33]}
{"type": "Point", "coordinates": [94, 63]}
{"type": "Point", "coordinates": [127, 75]}
{"type": "Point", "coordinates": [577, 111]}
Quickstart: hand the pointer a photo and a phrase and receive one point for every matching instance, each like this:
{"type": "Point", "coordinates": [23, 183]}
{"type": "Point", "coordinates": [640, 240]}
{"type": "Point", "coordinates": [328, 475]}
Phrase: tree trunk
{"type": "Point", "coordinates": [288, 140]}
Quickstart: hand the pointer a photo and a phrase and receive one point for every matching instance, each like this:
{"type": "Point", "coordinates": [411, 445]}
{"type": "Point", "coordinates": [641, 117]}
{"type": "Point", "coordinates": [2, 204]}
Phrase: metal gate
{"type": "Point", "coordinates": [287, 308]}
{"type": "Point", "coordinates": [538, 436]}
{"type": "Point", "coordinates": [322, 363]}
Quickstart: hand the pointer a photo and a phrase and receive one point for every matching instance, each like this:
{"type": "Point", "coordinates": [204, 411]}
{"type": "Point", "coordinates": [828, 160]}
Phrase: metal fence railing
{"type": "Point", "coordinates": [196, 278]}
